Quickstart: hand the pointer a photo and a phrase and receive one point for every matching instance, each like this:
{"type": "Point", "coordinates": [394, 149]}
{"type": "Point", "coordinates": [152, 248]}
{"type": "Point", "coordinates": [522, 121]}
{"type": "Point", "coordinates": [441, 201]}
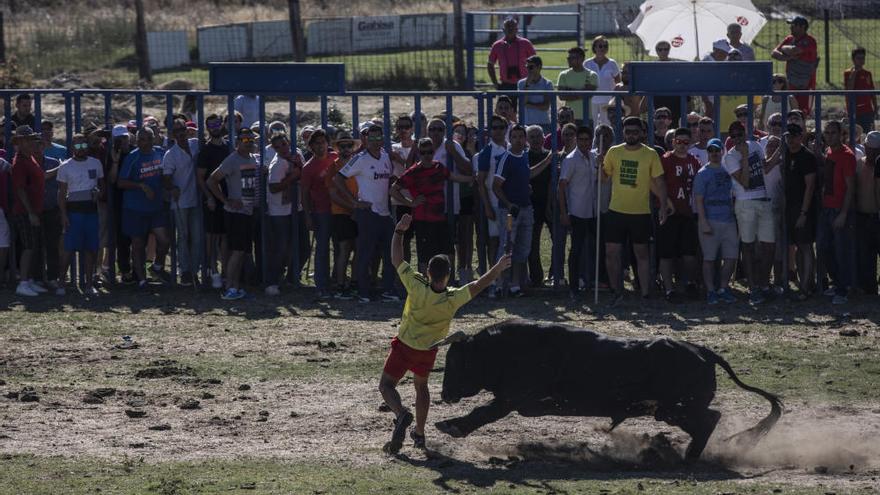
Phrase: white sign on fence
{"type": "Point", "coordinates": [167, 49]}
{"type": "Point", "coordinates": [372, 33]}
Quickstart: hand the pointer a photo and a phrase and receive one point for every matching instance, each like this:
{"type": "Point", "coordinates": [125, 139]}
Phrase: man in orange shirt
{"type": "Point", "coordinates": [855, 78]}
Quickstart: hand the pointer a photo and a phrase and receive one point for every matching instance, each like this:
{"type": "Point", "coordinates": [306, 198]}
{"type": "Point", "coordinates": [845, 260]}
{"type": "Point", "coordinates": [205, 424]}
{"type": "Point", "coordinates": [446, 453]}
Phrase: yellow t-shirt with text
{"type": "Point", "coordinates": [631, 173]}
{"type": "Point", "coordinates": [427, 314]}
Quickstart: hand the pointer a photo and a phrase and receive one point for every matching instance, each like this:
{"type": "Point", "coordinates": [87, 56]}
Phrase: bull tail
{"type": "Point", "coordinates": [753, 434]}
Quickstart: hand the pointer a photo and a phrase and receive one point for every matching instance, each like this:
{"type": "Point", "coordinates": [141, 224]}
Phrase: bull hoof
{"type": "Point", "coordinates": [449, 428]}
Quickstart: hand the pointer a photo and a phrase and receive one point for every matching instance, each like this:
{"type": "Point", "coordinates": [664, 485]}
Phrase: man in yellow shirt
{"type": "Point", "coordinates": [429, 308]}
{"type": "Point", "coordinates": [636, 172]}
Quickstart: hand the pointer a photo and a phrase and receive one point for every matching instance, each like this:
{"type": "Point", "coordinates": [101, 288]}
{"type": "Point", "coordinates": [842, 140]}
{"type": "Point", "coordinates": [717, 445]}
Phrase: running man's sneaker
{"type": "Point", "coordinates": [418, 440]}
{"type": "Point", "coordinates": [726, 296]}
{"type": "Point", "coordinates": [24, 289]}
{"type": "Point", "coordinates": [401, 423]}
{"type": "Point", "coordinates": [711, 297]}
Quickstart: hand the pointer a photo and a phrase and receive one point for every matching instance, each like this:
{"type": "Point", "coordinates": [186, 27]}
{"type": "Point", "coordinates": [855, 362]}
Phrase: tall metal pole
{"type": "Point", "coordinates": [297, 38]}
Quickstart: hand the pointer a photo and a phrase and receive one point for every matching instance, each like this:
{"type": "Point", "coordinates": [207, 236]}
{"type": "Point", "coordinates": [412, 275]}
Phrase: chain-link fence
{"type": "Point", "coordinates": [390, 52]}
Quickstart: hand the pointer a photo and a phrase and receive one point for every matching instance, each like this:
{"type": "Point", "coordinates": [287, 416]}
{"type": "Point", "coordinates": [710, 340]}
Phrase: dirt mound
{"type": "Point", "coordinates": [164, 368]}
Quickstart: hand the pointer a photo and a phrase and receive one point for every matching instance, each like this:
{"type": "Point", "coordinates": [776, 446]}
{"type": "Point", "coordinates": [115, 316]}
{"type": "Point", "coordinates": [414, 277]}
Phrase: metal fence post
{"type": "Point", "coordinates": [827, 18]}
{"type": "Point", "coordinates": [469, 46]}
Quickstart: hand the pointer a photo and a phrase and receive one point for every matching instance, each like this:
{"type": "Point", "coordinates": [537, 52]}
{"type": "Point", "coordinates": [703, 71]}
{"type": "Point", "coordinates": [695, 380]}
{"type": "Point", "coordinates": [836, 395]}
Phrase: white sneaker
{"type": "Point", "coordinates": [24, 289]}
{"type": "Point", "coordinates": [272, 290]}
{"type": "Point", "coordinates": [216, 281]}
{"type": "Point", "coordinates": [36, 287]}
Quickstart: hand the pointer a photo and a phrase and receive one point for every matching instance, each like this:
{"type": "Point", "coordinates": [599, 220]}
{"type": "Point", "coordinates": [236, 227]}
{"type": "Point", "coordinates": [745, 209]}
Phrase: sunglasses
{"type": "Point", "coordinates": [81, 146]}
{"type": "Point", "coordinates": [375, 139]}
{"type": "Point", "coordinates": [681, 141]}
{"type": "Point", "coordinates": [601, 45]}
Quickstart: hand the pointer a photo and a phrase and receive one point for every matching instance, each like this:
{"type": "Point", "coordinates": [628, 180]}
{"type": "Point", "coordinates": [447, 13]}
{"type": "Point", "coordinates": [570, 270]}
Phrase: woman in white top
{"type": "Point", "coordinates": [771, 104]}
{"type": "Point", "coordinates": [609, 76]}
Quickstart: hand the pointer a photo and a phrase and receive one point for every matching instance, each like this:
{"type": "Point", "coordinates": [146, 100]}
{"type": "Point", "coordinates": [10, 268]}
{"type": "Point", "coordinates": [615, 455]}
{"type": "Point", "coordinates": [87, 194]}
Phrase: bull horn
{"type": "Point", "coordinates": [450, 339]}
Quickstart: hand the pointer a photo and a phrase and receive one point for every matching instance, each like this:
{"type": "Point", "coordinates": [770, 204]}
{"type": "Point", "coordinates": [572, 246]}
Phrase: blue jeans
{"type": "Point", "coordinates": [374, 232]}
{"type": "Point", "coordinates": [189, 224]}
{"type": "Point", "coordinates": [835, 249]}
{"type": "Point", "coordinates": [321, 222]}
{"type": "Point", "coordinates": [521, 234]}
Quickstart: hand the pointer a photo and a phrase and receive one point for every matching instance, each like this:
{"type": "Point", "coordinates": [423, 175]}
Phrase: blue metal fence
{"type": "Point", "coordinates": [73, 122]}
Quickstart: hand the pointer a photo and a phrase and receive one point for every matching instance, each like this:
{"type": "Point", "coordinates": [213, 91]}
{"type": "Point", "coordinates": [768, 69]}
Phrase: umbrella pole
{"type": "Point", "coordinates": [696, 29]}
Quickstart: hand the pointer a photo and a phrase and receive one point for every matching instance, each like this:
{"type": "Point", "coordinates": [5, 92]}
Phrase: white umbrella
{"type": "Point", "coordinates": [691, 26]}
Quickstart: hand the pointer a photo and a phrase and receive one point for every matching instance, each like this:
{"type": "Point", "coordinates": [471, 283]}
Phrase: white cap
{"type": "Point", "coordinates": [120, 130]}
{"type": "Point", "coordinates": [722, 45]}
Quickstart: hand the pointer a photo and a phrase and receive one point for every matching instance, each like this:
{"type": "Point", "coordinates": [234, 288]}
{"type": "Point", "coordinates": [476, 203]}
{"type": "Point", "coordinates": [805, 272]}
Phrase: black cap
{"type": "Point", "coordinates": [799, 20]}
{"type": "Point", "coordinates": [794, 130]}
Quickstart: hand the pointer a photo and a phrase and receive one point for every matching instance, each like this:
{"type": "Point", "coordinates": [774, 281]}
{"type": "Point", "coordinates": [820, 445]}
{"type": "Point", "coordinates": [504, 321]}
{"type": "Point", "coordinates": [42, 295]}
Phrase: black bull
{"type": "Point", "coordinates": [559, 370]}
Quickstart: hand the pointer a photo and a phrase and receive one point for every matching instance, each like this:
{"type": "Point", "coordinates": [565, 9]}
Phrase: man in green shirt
{"type": "Point", "coordinates": [576, 78]}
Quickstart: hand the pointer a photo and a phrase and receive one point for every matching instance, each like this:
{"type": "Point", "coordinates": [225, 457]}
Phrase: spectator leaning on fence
{"type": "Point", "coordinates": [284, 169]}
{"type": "Point", "coordinates": [536, 107]}
{"type": "Point", "coordinates": [372, 170]}
{"type": "Point", "coordinates": [867, 222]}
{"type": "Point", "coordinates": [80, 181]}
{"type": "Point", "coordinates": [858, 78]}
{"type": "Point", "coordinates": [510, 53]}
{"type": "Point", "coordinates": [143, 211]}
{"type": "Point", "coordinates": [576, 78]}
{"type": "Point", "coordinates": [28, 186]}
{"type": "Point", "coordinates": [23, 114]}
{"type": "Point", "coordinates": [239, 172]}
{"type": "Point", "coordinates": [212, 154]}
{"type": "Point", "coordinates": [51, 148]}
{"type": "Point", "coordinates": [835, 236]}
{"type": "Point", "coordinates": [5, 234]}
{"type": "Point", "coordinates": [316, 206]}
{"type": "Point", "coordinates": [799, 52]}
{"type": "Point", "coordinates": [511, 186]}
{"type": "Point", "coordinates": [46, 266]}
{"type": "Point", "coordinates": [717, 224]}
{"type": "Point", "coordinates": [179, 179]}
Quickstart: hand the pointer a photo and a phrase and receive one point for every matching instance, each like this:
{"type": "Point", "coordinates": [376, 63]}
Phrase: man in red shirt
{"type": "Point", "coordinates": [836, 230]}
{"type": "Point", "coordinates": [425, 182]}
{"type": "Point", "coordinates": [856, 77]}
{"type": "Point", "coordinates": [798, 51]}
{"type": "Point", "coordinates": [510, 53]}
{"type": "Point", "coordinates": [316, 206]}
{"type": "Point", "coordinates": [28, 185]}
{"type": "Point", "coordinates": [677, 238]}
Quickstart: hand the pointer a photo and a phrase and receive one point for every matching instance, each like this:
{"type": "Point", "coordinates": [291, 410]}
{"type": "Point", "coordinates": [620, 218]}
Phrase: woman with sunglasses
{"type": "Point", "coordinates": [609, 76]}
{"type": "Point", "coordinates": [771, 104]}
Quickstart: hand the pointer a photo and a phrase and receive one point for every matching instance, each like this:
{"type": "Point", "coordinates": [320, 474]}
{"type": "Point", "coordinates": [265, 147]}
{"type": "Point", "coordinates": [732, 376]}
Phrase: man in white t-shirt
{"type": "Point", "coordinates": [284, 170]}
{"type": "Point", "coordinates": [80, 181]}
{"type": "Point", "coordinates": [179, 179]}
{"type": "Point", "coordinates": [487, 166]}
{"type": "Point", "coordinates": [372, 171]}
{"type": "Point", "coordinates": [754, 210]}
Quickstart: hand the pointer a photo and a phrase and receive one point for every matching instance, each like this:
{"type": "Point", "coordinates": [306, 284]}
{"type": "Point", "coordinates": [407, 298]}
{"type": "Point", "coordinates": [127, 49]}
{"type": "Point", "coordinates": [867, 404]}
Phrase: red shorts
{"type": "Point", "coordinates": [403, 358]}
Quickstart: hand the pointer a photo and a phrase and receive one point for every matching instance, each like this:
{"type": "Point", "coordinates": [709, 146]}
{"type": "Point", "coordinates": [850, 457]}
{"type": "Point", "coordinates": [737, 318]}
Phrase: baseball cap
{"type": "Point", "coordinates": [306, 129]}
{"type": "Point", "coordinates": [191, 125]}
{"type": "Point", "coordinates": [365, 126]}
{"type": "Point", "coordinates": [120, 130]}
{"type": "Point", "coordinates": [715, 143]}
{"type": "Point", "coordinates": [722, 45]}
{"type": "Point", "coordinates": [799, 20]}
{"type": "Point", "coordinates": [795, 130]}
{"type": "Point", "coordinates": [872, 139]}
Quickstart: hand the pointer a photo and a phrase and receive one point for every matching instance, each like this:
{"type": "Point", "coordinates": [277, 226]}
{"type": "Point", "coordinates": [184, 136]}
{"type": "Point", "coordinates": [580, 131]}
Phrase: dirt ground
{"type": "Point", "coordinates": [297, 380]}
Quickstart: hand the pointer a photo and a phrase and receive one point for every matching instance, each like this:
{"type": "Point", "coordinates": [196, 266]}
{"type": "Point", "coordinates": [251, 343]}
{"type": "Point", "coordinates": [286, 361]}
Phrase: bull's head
{"type": "Point", "coordinates": [462, 375]}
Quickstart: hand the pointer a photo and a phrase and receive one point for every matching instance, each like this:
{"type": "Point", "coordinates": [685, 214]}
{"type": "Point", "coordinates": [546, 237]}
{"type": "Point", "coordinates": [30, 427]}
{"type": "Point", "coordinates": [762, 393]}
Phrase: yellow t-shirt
{"type": "Point", "coordinates": [631, 173]}
{"type": "Point", "coordinates": [427, 314]}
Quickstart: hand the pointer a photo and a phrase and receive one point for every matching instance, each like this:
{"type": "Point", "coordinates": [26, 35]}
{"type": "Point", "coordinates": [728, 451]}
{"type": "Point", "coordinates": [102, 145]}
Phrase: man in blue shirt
{"type": "Point", "coordinates": [511, 186]}
{"type": "Point", "coordinates": [142, 208]}
{"type": "Point", "coordinates": [51, 148]}
{"type": "Point", "coordinates": [717, 223]}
